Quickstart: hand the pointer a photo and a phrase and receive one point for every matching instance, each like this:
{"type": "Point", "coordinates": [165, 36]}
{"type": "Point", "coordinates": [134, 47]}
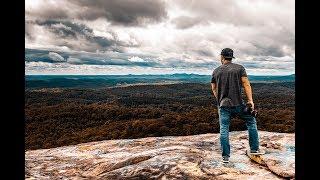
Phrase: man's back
{"type": "Point", "coordinates": [228, 80]}
{"type": "Point", "coordinates": [226, 83]}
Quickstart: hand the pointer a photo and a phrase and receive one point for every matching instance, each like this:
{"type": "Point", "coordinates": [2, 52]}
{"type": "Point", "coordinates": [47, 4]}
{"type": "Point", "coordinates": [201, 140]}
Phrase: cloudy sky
{"type": "Point", "coordinates": [158, 36]}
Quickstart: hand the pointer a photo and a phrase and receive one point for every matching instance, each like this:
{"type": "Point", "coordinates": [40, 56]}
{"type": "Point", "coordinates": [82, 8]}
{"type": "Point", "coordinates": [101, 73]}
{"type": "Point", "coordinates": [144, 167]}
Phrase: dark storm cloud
{"type": "Point", "coordinates": [49, 11]}
{"type": "Point", "coordinates": [67, 32]}
{"type": "Point", "coordinates": [73, 30]}
{"type": "Point", "coordinates": [120, 12]}
{"type": "Point", "coordinates": [42, 56]}
{"type": "Point", "coordinates": [37, 58]}
{"type": "Point", "coordinates": [125, 12]}
{"type": "Point", "coordinates": [34, 55]}
{"type": "Point", "coordinates": [123, 59]}
{"type": "Point", "coordinates": [64, 28]}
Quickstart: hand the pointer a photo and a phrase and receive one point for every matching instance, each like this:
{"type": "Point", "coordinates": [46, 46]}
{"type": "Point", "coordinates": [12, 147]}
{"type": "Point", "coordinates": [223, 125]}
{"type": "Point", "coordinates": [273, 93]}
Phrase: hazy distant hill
{"type": "Point", "coordinates": [95, 81]}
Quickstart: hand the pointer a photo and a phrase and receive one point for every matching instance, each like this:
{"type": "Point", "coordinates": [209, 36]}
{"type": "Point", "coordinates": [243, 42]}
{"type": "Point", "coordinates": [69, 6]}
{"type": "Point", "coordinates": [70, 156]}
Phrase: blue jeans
{"type": "Point", "coordinates": [225, 114]}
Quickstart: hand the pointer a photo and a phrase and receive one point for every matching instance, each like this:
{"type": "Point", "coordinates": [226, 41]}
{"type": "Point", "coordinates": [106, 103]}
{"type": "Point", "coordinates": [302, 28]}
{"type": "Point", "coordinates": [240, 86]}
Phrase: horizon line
{"type": "Point", "coordinates": [141, 74]}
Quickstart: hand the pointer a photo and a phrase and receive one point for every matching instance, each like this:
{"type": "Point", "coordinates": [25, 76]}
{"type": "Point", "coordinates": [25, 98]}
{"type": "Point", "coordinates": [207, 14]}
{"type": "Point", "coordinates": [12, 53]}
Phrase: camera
{"type": "Point", "coordinates": [249, 111]}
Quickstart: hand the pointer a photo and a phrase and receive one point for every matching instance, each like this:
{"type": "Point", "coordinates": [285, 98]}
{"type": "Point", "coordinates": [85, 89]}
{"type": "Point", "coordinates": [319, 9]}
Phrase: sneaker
{"type": "Point", "coordinates": [258, 152]}
{"type": "Point", "coordinates": [225, 159]}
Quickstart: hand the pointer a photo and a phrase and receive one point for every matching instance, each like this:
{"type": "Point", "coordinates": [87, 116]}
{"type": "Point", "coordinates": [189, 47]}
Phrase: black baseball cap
{"type": "Point", "coordinates": [227, 53]}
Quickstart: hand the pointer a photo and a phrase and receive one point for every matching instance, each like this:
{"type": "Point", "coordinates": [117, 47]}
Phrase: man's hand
{"type": "Point", "coordinates": [252, 104]}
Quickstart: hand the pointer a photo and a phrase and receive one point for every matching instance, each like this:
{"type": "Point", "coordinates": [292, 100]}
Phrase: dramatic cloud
{"type": "Point", "coordinates": [118, 12]}
{"type": "Point", "coordinates": [56, 57]}
{"type": "Point", "coordinates": [123, 59]}
{"type": "Point", "coordinates": [159, 35]}
{"type": "Point", "coordinates": [76, 36]}
{"type": "Point", "coordinates": [89, 58]}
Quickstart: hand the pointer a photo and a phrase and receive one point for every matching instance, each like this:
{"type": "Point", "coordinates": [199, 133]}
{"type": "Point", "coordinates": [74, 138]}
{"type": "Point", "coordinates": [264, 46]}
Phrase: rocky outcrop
{"type": "Point", "coordinates": [170, 157]}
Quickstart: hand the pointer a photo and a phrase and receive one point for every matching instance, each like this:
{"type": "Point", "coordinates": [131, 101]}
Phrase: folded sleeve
{"type": "Point", "coordinates": [213, 79]}
{"type": "Point", "coordinates": [243, 72]}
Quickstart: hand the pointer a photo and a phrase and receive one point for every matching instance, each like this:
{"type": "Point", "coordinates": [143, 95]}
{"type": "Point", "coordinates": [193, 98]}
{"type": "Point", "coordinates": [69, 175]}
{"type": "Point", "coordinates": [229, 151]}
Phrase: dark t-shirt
{"type": "Point", "coordinates": [228, 80]}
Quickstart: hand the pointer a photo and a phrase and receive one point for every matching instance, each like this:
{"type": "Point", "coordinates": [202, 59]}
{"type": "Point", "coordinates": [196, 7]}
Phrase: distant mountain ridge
{"type": "Point", "coordinates": [95, 81]}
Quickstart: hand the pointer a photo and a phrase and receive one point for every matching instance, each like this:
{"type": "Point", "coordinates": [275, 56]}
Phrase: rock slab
{"type": "Point", "coordinates": [169, 157]}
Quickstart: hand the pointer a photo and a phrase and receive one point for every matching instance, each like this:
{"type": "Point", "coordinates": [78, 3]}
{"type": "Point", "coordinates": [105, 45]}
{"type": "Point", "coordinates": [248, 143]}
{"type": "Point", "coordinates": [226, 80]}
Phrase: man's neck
{"type": "Point", "coordinates": [226, 62]}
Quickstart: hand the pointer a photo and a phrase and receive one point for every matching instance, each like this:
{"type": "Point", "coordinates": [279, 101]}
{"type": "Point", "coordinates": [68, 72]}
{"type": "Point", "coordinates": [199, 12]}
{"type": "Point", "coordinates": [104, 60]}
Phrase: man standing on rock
{"type": "Point", "coordinates": [227, 81]}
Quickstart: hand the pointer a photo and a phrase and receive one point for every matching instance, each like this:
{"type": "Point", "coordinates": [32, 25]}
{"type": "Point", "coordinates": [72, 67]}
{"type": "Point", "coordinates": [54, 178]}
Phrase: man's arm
{"type": "Point", "coordinates": [214, 85]}
{"type": "Point", "coordinates": [247, 88]}
{"type": "Point", "coordinates": [214, 89]}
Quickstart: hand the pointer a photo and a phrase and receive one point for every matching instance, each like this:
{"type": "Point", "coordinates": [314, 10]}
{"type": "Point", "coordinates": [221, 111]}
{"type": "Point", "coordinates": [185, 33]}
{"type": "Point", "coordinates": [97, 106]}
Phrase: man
{"type": "Point", "coordinates": [227, 81]}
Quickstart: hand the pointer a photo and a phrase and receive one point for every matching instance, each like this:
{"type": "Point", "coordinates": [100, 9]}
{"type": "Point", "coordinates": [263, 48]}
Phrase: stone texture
{"type": "Point", "coordinates": [170, 157]}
